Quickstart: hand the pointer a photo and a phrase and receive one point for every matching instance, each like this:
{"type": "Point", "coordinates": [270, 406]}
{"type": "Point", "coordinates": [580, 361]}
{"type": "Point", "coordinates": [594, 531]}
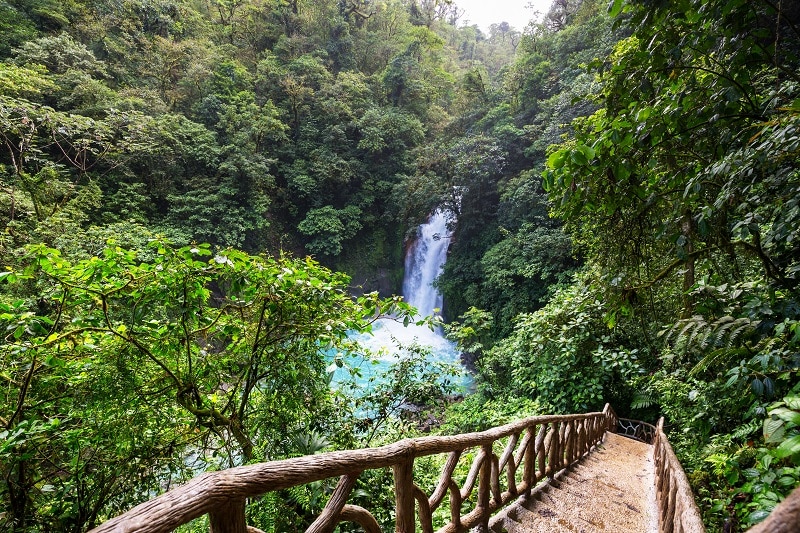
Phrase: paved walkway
{"type": "Point", "coordinates": [611, 489]}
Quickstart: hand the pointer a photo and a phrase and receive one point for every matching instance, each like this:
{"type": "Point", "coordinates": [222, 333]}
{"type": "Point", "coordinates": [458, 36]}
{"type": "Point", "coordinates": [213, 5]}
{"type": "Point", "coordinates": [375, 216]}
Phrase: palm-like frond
{"type": "Point", "coordinates": [721, 341]}
{"type": "Point", "coordinates": [642, 399]}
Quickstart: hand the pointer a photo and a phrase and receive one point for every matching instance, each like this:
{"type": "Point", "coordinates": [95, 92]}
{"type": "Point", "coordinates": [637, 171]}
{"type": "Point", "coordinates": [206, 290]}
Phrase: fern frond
{"type": "Point", "coordinates": [723, 332]}
{"type": "Point", "coordinates": [745, 325]}
{"type": "Point", "coordinates": [671, 335]}
{"type": "Point", "coordinates": [718, 329]}
{"type": "Point", "coordinates": [727, 319]}
{"type": "Point", "coordinates": [643, 399]}
{"type": "Point", "coordinates": [692, 327]}
{"type": "Point", "coordinates": [705, 362]}
{"type": "Point", "coordinates": [267, 514]}
{"type": "Point", "coordinates": [720, 356]}
{"type": "Point", "coordinates": [691, 323]}
{"type": "Point", "coordinates": [700, 326]}
{"type": "Point", "coordinates": [301, 496]}
{"type": "Point", "coordinates": [746, 430]}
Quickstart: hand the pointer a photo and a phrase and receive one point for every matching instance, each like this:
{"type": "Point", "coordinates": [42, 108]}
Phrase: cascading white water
{"type": "Point", "coordinates": [424, 261]}
{"type": "Point", "coordinates": [425, 258]}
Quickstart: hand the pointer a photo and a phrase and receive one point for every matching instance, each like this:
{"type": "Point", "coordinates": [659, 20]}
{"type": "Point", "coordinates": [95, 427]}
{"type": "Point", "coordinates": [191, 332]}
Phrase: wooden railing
{"type": "Point", "coordinates": [677, 510]}
{"type": "Point", "coordinates": [529, 451]}
{"type": "Point", "coordinates": [637, 430]}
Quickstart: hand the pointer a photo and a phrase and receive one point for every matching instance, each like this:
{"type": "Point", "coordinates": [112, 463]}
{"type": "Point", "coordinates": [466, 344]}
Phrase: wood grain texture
{"type": "Point", "coordinates": [362, 517]}
{"type": "Point", "coordinates": [404, 497]}
{"type": "Point", "coordinates": [445, 480]}
{"type": "Point", "coordinates": [228, 518]}
{"type": "Point", "coordinates": [425, 513]}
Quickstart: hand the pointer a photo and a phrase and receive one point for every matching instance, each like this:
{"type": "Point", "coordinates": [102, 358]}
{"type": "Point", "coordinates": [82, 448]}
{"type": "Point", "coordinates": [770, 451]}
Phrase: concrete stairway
{"type": "Point", "coordinates": [611, 489]}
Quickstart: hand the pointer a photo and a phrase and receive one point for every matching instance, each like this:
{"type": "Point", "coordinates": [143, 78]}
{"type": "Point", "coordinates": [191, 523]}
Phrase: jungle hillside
{"type": "Point", "coordinates": [202, 201]}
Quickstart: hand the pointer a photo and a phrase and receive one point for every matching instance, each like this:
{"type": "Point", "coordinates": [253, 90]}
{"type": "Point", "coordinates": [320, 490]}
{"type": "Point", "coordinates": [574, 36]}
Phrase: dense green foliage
{"type": "Point", "coordinates": [132, 370]}
{"type": "Point", "coordinates": [681, 191]}
{"type": "Point", "coordinates": [623, 185]}
{"type": "Point", "coordinates": [682, 188]}
{"type": "Point", "coordinates": [677, 180]}
{"type": "Point", "coordinates": [261, 125]}
{"type": "Point", "coordinates": [280, 128]}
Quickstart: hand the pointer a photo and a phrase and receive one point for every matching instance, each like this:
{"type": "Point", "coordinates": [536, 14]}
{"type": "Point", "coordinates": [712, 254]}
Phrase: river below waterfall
{"type": "Point", "coordinates": [424, 260]}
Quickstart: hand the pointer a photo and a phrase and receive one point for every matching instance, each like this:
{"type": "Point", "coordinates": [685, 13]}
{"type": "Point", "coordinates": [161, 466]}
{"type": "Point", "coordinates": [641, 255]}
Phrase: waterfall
{"type": "Point", "coordinates": [424, 261]}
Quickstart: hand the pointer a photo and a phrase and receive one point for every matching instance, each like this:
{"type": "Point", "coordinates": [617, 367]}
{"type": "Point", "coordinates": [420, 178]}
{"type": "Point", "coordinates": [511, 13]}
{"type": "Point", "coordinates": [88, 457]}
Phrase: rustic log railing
{"type": "Point", "coordinates": [530, 450]}
{"type": "Point", "coordinates": [637, 430]}
{"type": "Point", "coordinates": [677, 510]}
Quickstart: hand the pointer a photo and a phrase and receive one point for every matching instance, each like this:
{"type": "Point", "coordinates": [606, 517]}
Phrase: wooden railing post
{"type": "Point", "coordinates": [529, 468]}
{"type": "Point", "coordinates": [541, 440]}
{"type": "Point", "coordinates": [569, 448]}
{"type": "Point", "coordinates": [677, 509]}
{"type": "Point", "coordinates": [329, 518]}
{"type": "Point", "coordinates": [553, 454]}
{"type": "Point", "coordinates": [485, 487]}
{"type": "Point", "coordinates": [228, 518]}
{"type": "Point", "coordinates": [510, 462]}
{"type": "Point", "coordinates": [404, 496]}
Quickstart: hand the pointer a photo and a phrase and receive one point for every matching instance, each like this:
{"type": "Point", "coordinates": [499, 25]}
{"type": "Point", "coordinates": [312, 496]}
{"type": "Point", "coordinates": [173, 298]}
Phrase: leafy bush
{"type": "Point", "coordinates": [564, 355]}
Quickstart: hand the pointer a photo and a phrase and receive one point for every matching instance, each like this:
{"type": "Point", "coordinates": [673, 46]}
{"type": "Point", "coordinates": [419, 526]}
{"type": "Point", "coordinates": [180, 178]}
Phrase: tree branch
{"type": "Point", "coordinates": [666, 271]}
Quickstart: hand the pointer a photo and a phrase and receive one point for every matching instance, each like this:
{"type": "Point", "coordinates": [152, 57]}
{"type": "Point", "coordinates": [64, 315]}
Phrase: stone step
{"type": "Point", "coordinates": [541, 518]}
{"type": "Point", "coordinates": [611, 489]}
{"type": "Point", "coordinates": [619, 514]}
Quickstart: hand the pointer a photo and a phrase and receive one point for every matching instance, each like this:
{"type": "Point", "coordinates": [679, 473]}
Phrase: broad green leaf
{"type": "Point", "coordinates": [578, 157]}
{"type": "Point", "coordinates": [793, 417]}
{"type": "Point", "coordinates": [773, 430]}
{"type": "Point", "coordinates": [790, 446]}
{"type": "Point", "coordinates": [556, 159]}
{"type": "Point", "coordinates": [792, 402]}
{"type": "Point", "coordinates": [757, 516]}
{"type": "Point", "coordinates": [751, 473]}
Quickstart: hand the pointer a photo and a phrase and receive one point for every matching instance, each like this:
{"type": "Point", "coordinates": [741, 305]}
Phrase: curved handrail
{"type": "Point", "coordinates": [637, 430]}
{"type": "Point", "coordinates": [537, 447]}
{"type": "Point", "coordinates": [677, 509]}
